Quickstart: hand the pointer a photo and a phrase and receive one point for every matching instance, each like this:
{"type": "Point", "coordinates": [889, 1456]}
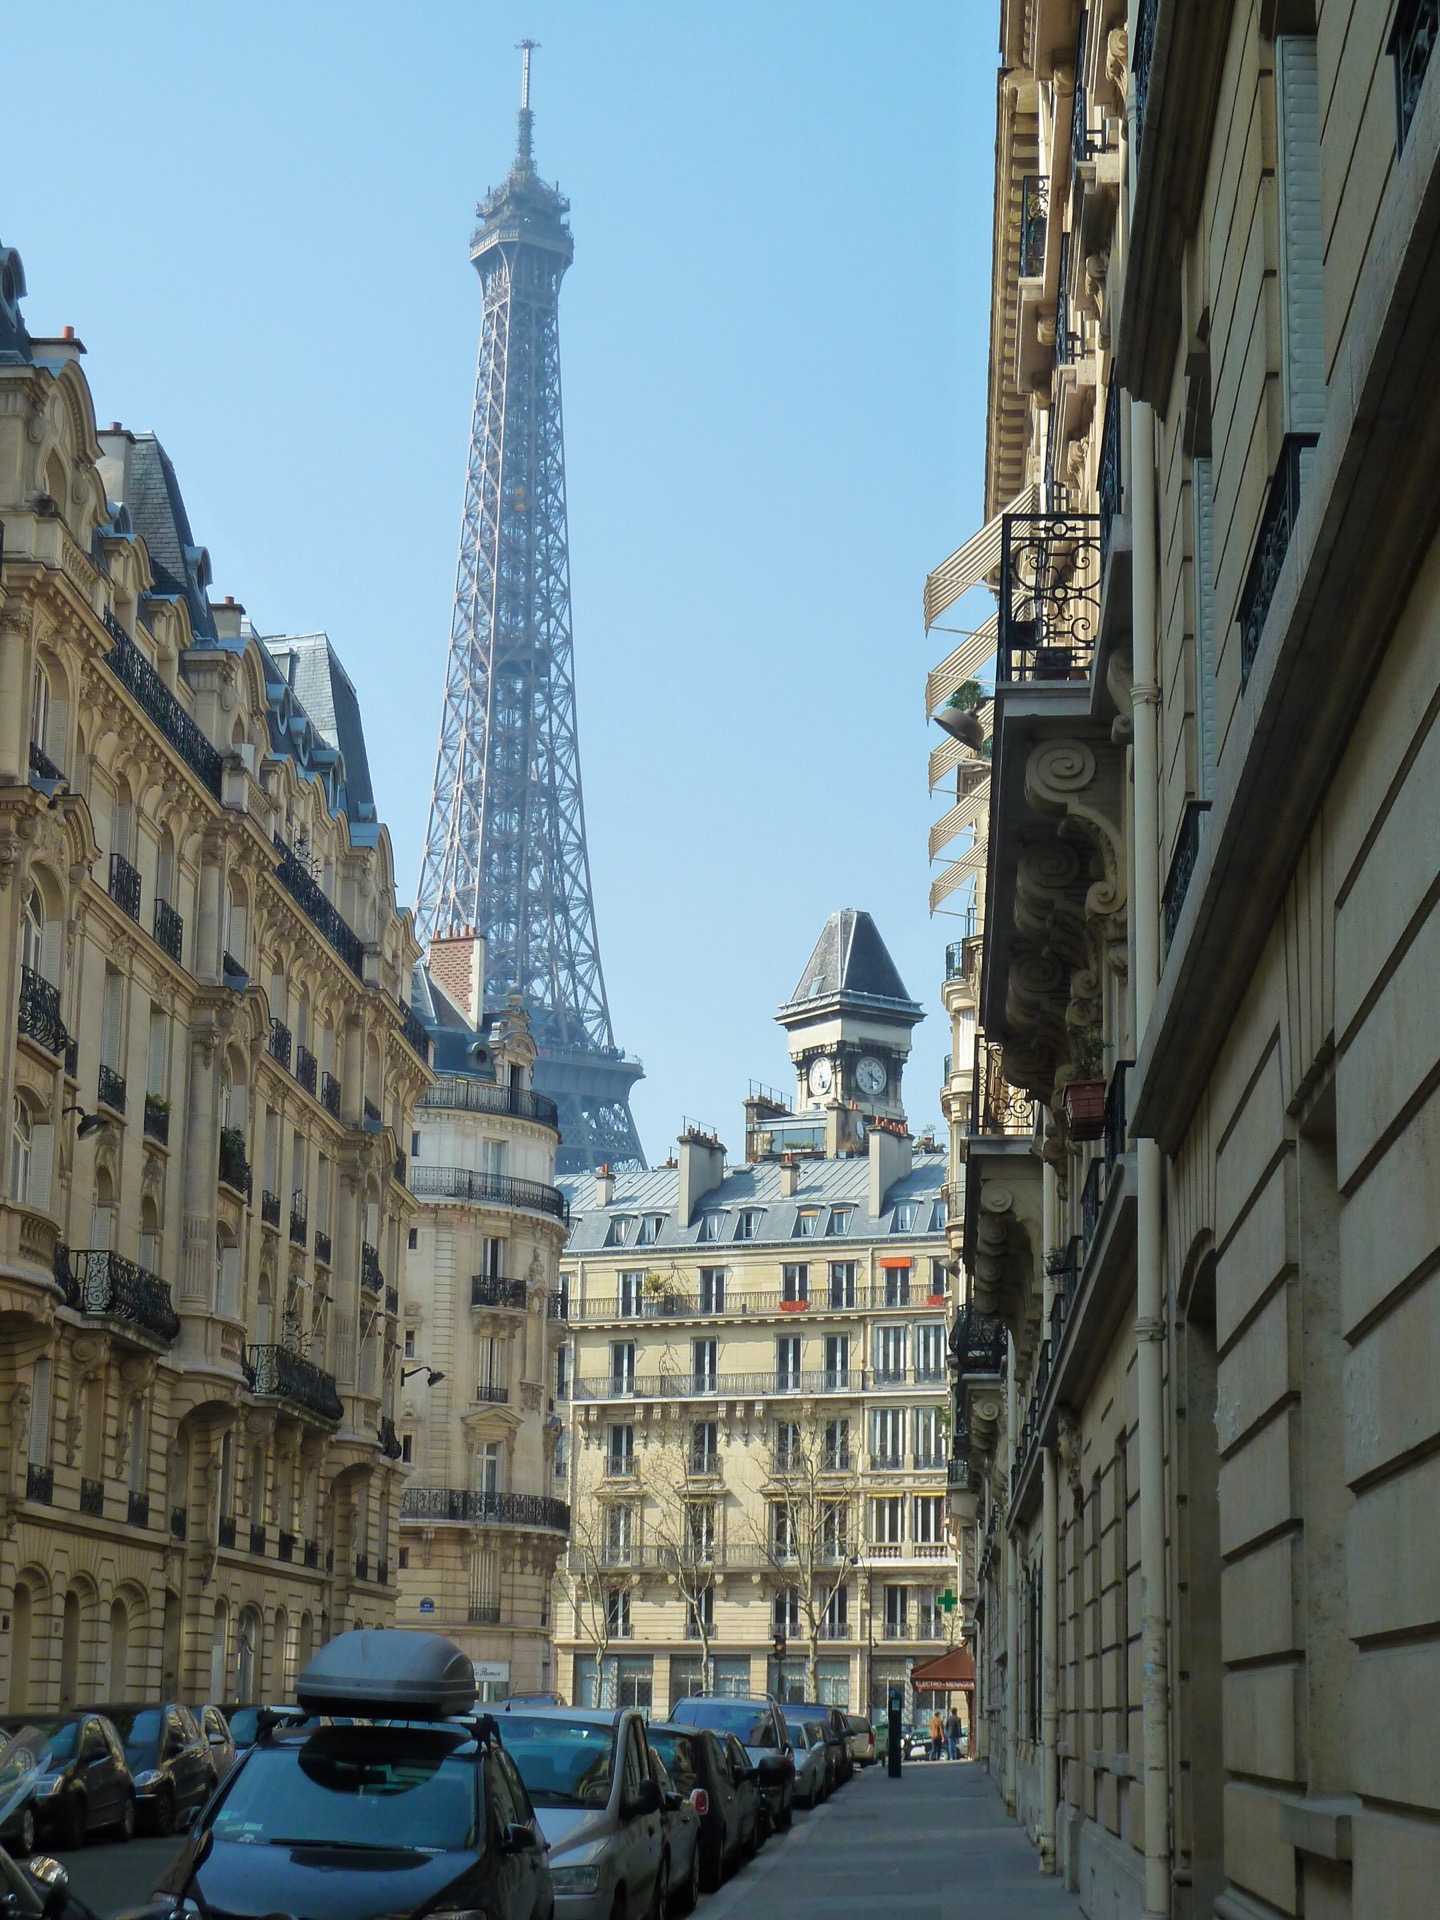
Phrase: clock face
{"type": "Point", "coordinates": [870, 1075]}
{"type": "Point", "coordinates": [820, 1076]}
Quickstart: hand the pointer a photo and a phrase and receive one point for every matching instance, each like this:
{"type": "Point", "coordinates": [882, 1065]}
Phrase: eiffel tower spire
{"type": "Point", "coordinates": [505, 848]}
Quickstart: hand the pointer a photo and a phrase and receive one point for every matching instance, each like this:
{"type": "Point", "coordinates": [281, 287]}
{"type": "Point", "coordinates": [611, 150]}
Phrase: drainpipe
{"type": "Point", "coordinates": [1049, 1559]}
{"type": "Point", "coordinates": [1012, 1601]}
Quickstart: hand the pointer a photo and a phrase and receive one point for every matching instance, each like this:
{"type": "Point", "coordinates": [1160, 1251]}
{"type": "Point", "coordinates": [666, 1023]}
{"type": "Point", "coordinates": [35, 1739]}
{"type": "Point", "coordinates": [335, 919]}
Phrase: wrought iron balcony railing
{"type": "Point", "coordinates": [1182, 865]}
{"type": "Point", "coordinates": [110, 1287]}
{"type": "Point", "coordinates": [492, 1392]}
{"type": "Point", "coordinates": [110, 1089]}
{"type": "Point", "coordinates": [412, 1032]}
{"type": "Point", "coordinates": [135, 673]}
{"type": "Point", "coordinates": [372, 1121]}
{"type": "Point", "coordinates": [157, 1119]}
{"type": "Point", "coordinates": [92, 1498]}
{"type": "Point", "coordinates": [299, 1221]}
{"type": "Point", "coordinates": [270, 1207]}
{"type": "Point", "coordinates": [227, 1530]}
{"type": "Point", "coordinates": [481, 1096]}
{"type": "Point", "coordinates": [275, 1373]}
{"type": "Point", "coordinates": [322, 1248]}
{"type": "Point", "coordinates": [42, 766]}
{"type": "Point", "coordinates": [234, 1166]}
{"type": "Point", "coordinates": [137, 1510]}
{"type": "Point", "coordinates": [489, 1290]}
{"type": "Point", "coordinates": [978, 1343]}
{"type": "Point", "coordinates": [307, 1068]}
{"type": "Point", "coordinates": [39, 1016]}
{"type": "Point", "coordinates": [1142, 57]}
{"type": "Point", "coordinates": [233, 974]}
{"type": "Point", "coordinates": [1116, 1122]}
{"type": "Point", "coordinates": [1109, 486]}
{"type": "Point", "coordinates": [470, 1508]}
{"type": "Point", "coordinates": [488, 1189]}
{"type": "Point", "coordinates": [305, 891]}
{"type": "Point", "coordinates": [125, 885]}
{"type": "Point", "coordinates": [1411, 45]}
{"type": "Point", "coordinates": [179, 1523]}
{"type": "Point", "coordinates": [285, 1544]}
{"type": "Point", "coordinates": [1272, 543]}
{"type": "Point", "coordinates": [279, 1042]}
{"type": "Point", "coordinates": [709, 1386]}
{"type": "Point", "coordinates": [169, 929]}
{"type": "Point", "coordinates": [392, 1301]}
{"type": "Point", "coordinates": [1092, 1199]}
{"type": "Point", "coordinates": [370, 1274]}
{"type": "Point", "coordinates": [1034, 221]}
{"type": "Point", "coordinates": [330, 1094]}
{"type": "Point", "coordinates": [1049, 595]}
{"type": "Point", "coordinates": [998, 1109]}
{"type": "Point", "coordinates": [40, 1484]}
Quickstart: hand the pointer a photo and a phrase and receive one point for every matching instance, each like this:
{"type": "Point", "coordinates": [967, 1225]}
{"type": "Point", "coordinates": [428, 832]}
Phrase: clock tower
{"type": "Point", "coordinates": [848, 1027]}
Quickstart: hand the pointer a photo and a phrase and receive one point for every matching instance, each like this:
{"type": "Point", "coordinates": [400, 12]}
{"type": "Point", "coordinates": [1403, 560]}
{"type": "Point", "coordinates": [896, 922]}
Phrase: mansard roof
{"type": "Point", "coordinates": [852, 963]}
{"type": "Point", "coordinates": [179, 565]}
{"type": "Point", "coordinates": [325, 694]}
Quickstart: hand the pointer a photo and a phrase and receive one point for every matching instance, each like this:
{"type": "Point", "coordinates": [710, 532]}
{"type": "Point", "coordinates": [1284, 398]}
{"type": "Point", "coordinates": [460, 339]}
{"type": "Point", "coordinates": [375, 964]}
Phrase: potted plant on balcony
{"type": "Point", "coordinates": [960, 715]}
{"type": "Point", "coordinates": [662, 1296]}
{"type": "Point", "coordinates": [1085, 1091]}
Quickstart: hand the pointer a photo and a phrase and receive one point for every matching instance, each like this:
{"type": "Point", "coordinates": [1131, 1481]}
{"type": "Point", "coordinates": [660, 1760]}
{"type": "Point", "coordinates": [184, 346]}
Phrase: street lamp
{"type": "Point", "coordinates": [89, 1122]}
{"type": "Point", "coordinates": [433, 1375]}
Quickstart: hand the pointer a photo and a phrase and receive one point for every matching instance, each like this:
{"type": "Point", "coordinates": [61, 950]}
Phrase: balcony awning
{"type": "Point", "coordinates": [959, 872]}
{"type": "Point", "coordinates": [896, 1260]}
{"type": "Point", "coordinates": [953, 1669]}
{"type": "Point", "coordinates": [970, 564]}
{"type": "Point", "coordinates": [969, 812]}
{"type": "Point", "coordinates": [959, 666]}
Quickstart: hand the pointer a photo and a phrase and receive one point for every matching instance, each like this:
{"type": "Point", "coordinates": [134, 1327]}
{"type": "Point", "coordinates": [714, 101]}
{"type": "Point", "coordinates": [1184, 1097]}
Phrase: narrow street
{"type": "Point", "coordinates": [933, 1845]}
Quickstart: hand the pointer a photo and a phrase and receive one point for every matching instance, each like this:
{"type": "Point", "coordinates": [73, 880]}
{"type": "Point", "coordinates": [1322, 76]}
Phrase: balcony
{"type": "Point", "coordinates": [978, 1343]}
{"type": "Point", "coordinates": [492, 1394]}
{"type": "Point", "coordinates": [125, 885]}
{"type": "Point", "coordinates": [227, 1530]}
{"type": "Point", "coordinates": [92, 1498]}
{"type": "Point", "coordinates": [1142, 56]}
{"type": "Point", "coordinates": [362, 1566]}
{"type": "Point", "coordinates": [136, 674]}
{"type": "Point", "coordinates": [475, 1509]}
{"type": "Point", "coordinates": [40, 1012]}
{"type": "Point", "coordinates": [480, 1096]}
{"type": "Point", "coordinates": [392, 1301]}
{"type": "Point", "coordinates": [106, 1286]}
{"type": "Point", "coordinates": [397, 1171]}
{"type": "Point", "coordinates": [371, 1122]}
{"type": "Point", "coordinates": [169, 929]}
{"type": "Point", "coordinates": [1034, 223]}
{"type": "Point", "coordinates": [257, 1539]}
{"type": "Point", "coordinates": [157, 1119]}
{"type": "Point", "coordinates": [233, 974]}
{"type": "Point", "coordinates": [1049, 595]}
{"type": "Point", "coordinates": [285, 1543]}
{"type": "Point", "coordinates": [488, 1190]}
{"type": "Point", "coordinates": [110, 1089]}
{"type": "Point", "coordinates": [1000, 1110]}
{"type": "Point", "coordinates": [1182, 866]}
{"type": "Point", "coordinates": [1412, 43]}
{"type": "Point", "coordinates": [270, 1208]}
{"type": "Point", "coordinates": [279, 1043]}
{"type": "Point", "coordinates": [42, 767]}
{"type": "Point", "coordinates": [1272, 543]}
{"type": "Point", "coordinates": [330, 1095]}
{"type": "Point", "coordinates": [311, 1555]}
{"type": "Point", "coordinates": [137, 1510]}
{"type": "Point", "coordinates": [412, 1032]}
{"type": "Point", "coordinates": [1108, 482]}
{"type": "Point", "coordinates": [322, 1248]}
{"type": "Point", "coordinates": [485, 1613]}
{"type": "Point", "coordinates": [305, 891]}
{"type": "Point", "coordinates": [179, 1523]}
{"type": "Point", "coordinates": [275, 1373]}
{"type": "Point", "coordinates": [488, 1290]}
{"type": "Point", "coordinates": [371, 1277]}
{"type": "Point", "coordinates": [307, 1068]}
{"type": "Point", "coordinates": [711, 1386]}
{"type": "Point", "coordinates": [299, 1221]}
{"type": "Point", "coordinates": [40, 1484]}
{"type": "Point", "coordinates": [234, 1166]}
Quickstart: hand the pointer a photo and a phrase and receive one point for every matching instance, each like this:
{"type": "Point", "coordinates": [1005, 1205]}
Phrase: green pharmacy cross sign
{"type": "Point", "coordinates": [947, 1600]}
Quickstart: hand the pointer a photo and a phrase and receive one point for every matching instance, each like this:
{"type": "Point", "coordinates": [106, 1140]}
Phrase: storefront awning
{"type": "Point", "coordinates": [953, 1669]}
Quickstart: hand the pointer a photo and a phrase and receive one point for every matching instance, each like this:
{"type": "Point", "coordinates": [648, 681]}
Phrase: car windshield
{"type": "Point", "coordinates": [245, 1722]}
{"type": "Point", "coordinates": [752, 1726]}
{"type": "Point", "coordinates": [374, 1789]}
{"type": "Point", "coordinates": [58, 1740]}
{"type": "Point", "coordinates": [800, 1735]}
{"type": "Point", "coordinates": [564, 1763]}
{"type": "Point", "coordinates": [682, 1763]}
{"type": "Point", "coordinates": [17, 1764]}
{"type": "Point", "coordinates": [139, 1728]}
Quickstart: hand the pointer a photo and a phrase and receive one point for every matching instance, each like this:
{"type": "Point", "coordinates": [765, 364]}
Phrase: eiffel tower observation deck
{"type": "Point", "coordinates": [505, 849]}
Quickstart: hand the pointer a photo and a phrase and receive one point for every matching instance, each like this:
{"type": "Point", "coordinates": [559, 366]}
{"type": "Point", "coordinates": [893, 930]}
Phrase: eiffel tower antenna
{"type": "Point", "coordinates": [505, 847]}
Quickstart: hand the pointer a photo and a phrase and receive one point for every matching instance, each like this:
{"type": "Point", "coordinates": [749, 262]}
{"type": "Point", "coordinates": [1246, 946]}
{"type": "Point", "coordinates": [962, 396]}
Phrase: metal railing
{"type": "Point", "coordinates": [307, 1068]}
{"type": "Point", "coordinates": [275, 1373]}
{"type": "Point", "coordinates": [285, 1543]}
{"type": "Point", "coordinates": [1067, 342]}
{"type": "Point", "coordinates": [179, 1523]}
{"type": "Point", "coordinates": [169, 929]}
{"type": "Point", "coordinates": [39, 1014]}
{"type": "Point", "coordinates": [227, 1530]}
{"type": "Point", "coordinates": [305, 891]}
{"type": "Point", "coordinates": [279, 1042]}
{"type": "Point", "coordinates": [1050, 569]}
{"type": "Point", "coordinates": [157, 1119]}
{"type": "Point", "coordinates": [135, 673]}
{"type": "Point", "coordinates": [233, 974]}
{"type": "Point", "coordinates": [488, 1189]}
{"type": "Point", "coordinates": [710, 1386]}
{"type": "Point", "coordinates": [92, 1498]}
{"type": "Point", "coordinates": [234, 1166]}
{"type": "Point", "coordinates": [822, 1300]}
{"type": "Point", "coordinates": [137, 1510]}
{"type": "Point", "coordinates": [484, 1613]}
{"type": "Point", "coordinates": [322, 1248]}
{"type": "Point", "coordinates": [1411, 44]}
{"type": "Point", "coordinates": [40, 1484]}
{"type": "Point", "coordinates": [299, 1220]}
{"type": "Point", "coordinates": [1182, 866]}
{"type": "Point", "coordinates": [370, 1274]}
{"type": "Point", "coordinates": [330, 1094]}
{"type": "Point", "coordinates": [489, 1290]}
{"type": "Point", "coordinates": [998, 1109]}
{"type": "Point", "coordinates": [110, 1287]}
{"type": "Point", "coordinates": [1092, 1199]}
{"type": "Point", "coordinates": [42, 766]}
{"type": "Point", "coordinates": [392, 1301]}
{"type": "Point", "coordinates": [978, 1342]}
{"type": "Point", "coordinates": [110, 1089]}
{"type": "Point", "coordinates": [480, 1096]}
{"type": "Point", "coordinates": [1142, 56]}
{"type": "Point", "coordinates": [471, 1508]}
{"type": "Point", "coordinates": [1065, 1269]}
{"type": "Point", "coordinates": [1116, 1123]}
{"type": "Point", "coordinates": [1109, 484]}
{"type": "Point", "coordinates": [125, 885]}
{"type": "Point", "coordinates": [492, 1392]}
{"type": "Point", "coordinates": [412, 1032]}
{"type": "Point", "coordinates": [270, 1208]}
{"type": "Point", "coordinates": [1272, 543]}
{"type": "Point", "coordinates": [1034, 223]}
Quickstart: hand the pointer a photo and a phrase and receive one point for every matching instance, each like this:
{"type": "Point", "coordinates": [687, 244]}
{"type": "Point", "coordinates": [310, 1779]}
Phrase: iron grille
{"type": "Point", "coordinates": [1411, 44]}
{"type": "Point", "coordinates": [487, 1290]}
{"type": "Point", "coordinates": [485, 1509]}
{"type": "Point", "coordinates": [135, 673]}
{"type": "Point", "coordinates": [92, 1498]}
{"type": "Point", "coordinates": [305, 891]}
{"type": "Point", "coordinates": [110, 1089]}
{"type": "Point", "coordinates": [280, 1042]}
{"type": "Point", "coordinates": [42, 766]}
{"type": "Point", "coordinates": [1272, 543]}
{"type": "Point", "coordinates": [1109, 486]}
{"type": "Point", "coordinates": [1034, 219]}
{"type": "Point", "coordinates": [40, 1012]}
{"type": "Point", "coordinates": [1182, 865]}
{"type": "Point", "coordinates": [1141, 60]}
{"type": "Point", "coordinates": [157, 1119]}
{"type": "Point", "coordinates": [137, 1510]}
{"type": "Point", "coordinates": [234, 1166]}
{"type": "Point", "coordinates": [322, 1248]}
{"type": "Point", "coordinates": [270, 1208]}
{"type": "Point", "coordinates": [492, 1189]}
{"type": "Point", "coordinates": [111, 1287]}
{"type": "Point", "coordinates": [479, 1096]}
{"type": "Point", "coordinates": [1049, 595]}
{"type": "Point", "coordinates": [277, 1373]}
{"type": "Point", "coordinates": [169, 929]}
{"type": "Point", "coordinates": [40, 1484]}
{"type": "Point", "coordinates": [306, 1068]}
{"type": "Point", "coordinates": [370, 1274]}
{"type": "Point", "coordinates": [330, 1094]}
{"type": "Point", "coordinates": [996, 1107]}
{"type": "Point", "coordinates": [412, 1032]}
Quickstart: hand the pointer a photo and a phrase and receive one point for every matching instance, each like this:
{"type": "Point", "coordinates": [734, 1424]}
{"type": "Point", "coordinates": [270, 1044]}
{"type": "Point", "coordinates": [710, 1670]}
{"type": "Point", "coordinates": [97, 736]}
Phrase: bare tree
{"type": "Point", "coordinates": [809, 1533]}
{"type": "Point", "coordinates": [585, 1574]}
{"type": "Point", "coordinates": [682, 1526]}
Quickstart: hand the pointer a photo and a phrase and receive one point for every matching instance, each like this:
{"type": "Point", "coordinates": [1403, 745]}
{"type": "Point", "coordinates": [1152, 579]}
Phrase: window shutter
{"type": "Point", "coordinates": [42, 1152]}
{"type": "Point", "coordinates": [1302, 323]}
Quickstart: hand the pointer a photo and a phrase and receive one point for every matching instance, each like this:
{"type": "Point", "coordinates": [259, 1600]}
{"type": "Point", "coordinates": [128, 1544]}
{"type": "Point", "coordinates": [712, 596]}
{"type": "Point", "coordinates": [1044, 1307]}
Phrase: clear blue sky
{"type": "Point", "coordinates": [774, 337]}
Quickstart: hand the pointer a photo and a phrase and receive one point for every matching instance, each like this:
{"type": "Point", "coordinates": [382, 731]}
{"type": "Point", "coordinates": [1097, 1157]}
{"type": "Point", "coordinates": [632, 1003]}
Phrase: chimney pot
{"type": "Point", "coordinates": [67, 333]}
{"type": "Point", "coordinates": [115, 427]}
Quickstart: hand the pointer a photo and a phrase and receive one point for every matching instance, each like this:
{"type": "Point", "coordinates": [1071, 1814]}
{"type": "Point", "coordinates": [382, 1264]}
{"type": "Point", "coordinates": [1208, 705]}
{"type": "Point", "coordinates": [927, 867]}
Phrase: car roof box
{"type": "Point", "coordinates": [388, 1673]}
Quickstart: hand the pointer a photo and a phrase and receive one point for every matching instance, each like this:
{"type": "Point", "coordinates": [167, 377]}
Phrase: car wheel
{"type": "Point", "coordinates": [125, 1825]}
{"type": "Point", "coordinates": [74, 1822]}
{"type": "Point", "coordinates": [27, 1832]}
{"type": "Point", "coordinates": [787, 1812]}
{"type": "Point", "coordinates": [660, 1904]}
{"type": "Point", "coordinates": [716, 1860]}
{"type": "Point", "coordinates": [166, 1816]}
{"type": "Point", "coordinates": [689, 1896]}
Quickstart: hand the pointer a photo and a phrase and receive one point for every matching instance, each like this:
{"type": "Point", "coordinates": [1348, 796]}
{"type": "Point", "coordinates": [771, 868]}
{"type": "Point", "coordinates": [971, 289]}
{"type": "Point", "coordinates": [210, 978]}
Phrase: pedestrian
{"type": "Point", "coordinates": [953, 1730]}
{"type": "Point", "coordinates": [937, 1735]}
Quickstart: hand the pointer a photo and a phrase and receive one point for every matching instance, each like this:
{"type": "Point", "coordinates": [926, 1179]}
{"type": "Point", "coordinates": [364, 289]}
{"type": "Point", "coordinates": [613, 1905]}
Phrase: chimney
{"type": "Point", "coordinates": [702, 1168]}
{"type": "Point", "coordinates": [604, 1186]}
{"type": "Point", "coordinates": [457, 960]}
{"type": "Point", "coordinates": [789, 1175]}
{"type": "Point", "coordinates": [229, 614]}
{"type": "Point", "coordinates": [889, 1162]}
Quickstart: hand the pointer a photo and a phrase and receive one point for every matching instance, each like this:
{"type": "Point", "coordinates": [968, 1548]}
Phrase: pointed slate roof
{"type": "Point", "coordinates": [157, 512]}
{"type": "Point", "coordinates": [851, 963]}
{"type": "Point", "coordinates": [327, 693]}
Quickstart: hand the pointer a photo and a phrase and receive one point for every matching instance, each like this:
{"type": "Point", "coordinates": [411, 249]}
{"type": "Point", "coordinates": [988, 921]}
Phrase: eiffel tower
{"type": "Point", "coordinates": [505, 848]}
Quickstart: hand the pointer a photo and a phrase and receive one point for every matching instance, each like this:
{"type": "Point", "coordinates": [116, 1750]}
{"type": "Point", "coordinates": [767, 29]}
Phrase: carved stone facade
{"type": "Point", "coordinates": [207, 1076]}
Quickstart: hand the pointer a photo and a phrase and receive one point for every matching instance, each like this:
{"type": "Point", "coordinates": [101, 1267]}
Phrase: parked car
{"type": "Point", "coordinates": [812, 1761]}
{"type": "Point", "coordinates": [917, 1741]}
{"type": "Point", "coordinates": [600, 1809]}
{"type": "Point", "coordinates": [169, 1761]}
{"type": "Point", "coordinates": [836, 1723]}
{"type": "Point", "coordinates": [19, 1776]}
{"type": "Point", "coordinates": [681, 1821]}
{"type": "Point", "coordinates": [746, 1778]}
{"type": "Point", "coordinates": [219, 1739]}
{"type": "Point", "coordinates": [759, 1726]}
{"type": "Point", "coordinates": [83, 1784]}
{"type": "Point", "coordinates": [244, 1723]}
{"type": "Point", "coordinates": [365, 1821]}
{"type": "Point", "coordinates": [698, 1763]}
{"type": "Point", "coordinates": [862, 1740]}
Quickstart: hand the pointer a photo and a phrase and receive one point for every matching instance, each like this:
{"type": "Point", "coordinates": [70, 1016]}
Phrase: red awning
{"type": "Point", "coordinates": [953, 1669]}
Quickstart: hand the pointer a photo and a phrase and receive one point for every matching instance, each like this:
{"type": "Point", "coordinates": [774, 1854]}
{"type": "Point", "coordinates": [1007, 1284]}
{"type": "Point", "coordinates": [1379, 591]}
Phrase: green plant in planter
{"type": "Point", "coordinates": [1087, 1054]}
{"type": "Point", "coordinates": [967, 696]}
{"type": "Point", "coordinates": [157, 1103]}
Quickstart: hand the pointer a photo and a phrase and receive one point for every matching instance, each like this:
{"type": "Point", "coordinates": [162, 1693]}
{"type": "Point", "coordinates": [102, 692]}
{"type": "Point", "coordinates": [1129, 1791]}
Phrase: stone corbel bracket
{"type": "Point", "coordinates": [1004, 1265]}
{"type": "Point", "coordinates": [1085, 792]}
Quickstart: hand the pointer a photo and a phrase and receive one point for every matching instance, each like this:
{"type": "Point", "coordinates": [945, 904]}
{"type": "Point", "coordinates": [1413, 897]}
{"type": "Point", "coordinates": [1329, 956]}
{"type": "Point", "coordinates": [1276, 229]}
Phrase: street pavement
{"type": "Point", "coordinates": [933, 1845]}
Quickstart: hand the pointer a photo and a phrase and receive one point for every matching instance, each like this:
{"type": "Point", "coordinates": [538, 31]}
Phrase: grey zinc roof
{"type": "Point", "coordinates": [327, 693]}
{"type": "Point", "coordinates": [850, 958]}
{"type": "Point", "coordinates": [821, 1183]}
{"type": "Point", "coordinates": [157, 513]}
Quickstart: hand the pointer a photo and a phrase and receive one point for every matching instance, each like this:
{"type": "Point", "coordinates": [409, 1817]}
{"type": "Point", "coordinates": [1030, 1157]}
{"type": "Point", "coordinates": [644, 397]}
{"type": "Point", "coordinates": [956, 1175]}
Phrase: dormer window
{"type": "Point", "coordinates": [903, 1220]}
{"type": "Point", "coordinates": [839, 1221]}
{"type": "Point", "coordinates": [618, 1234]}
{"type": "Point", "coordinates": [650, 1226]}
{"type": "Point", "coordinates": [710, 1225]}
{"type": "Point", "coordinates": [747, 1224]}
{"type": "Point", "coordinates": [805, 1223]}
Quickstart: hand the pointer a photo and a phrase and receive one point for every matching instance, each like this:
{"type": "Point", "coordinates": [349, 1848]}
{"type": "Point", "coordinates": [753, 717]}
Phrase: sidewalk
{"type": "Point", "coordinates": [934, 1845]}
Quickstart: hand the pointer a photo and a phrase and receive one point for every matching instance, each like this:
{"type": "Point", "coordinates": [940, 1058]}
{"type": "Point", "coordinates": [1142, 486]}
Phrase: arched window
{"type": "Point", "coordinates": [32, 934]}
{"type": "Point", "coordinates": [102, 1214]}
{"type": "Point", "coordinates": [247, 1657]}
{"type": "Point", "coordinates": [227, 1276]}
{"type": "Point", "coordinates": [22, 1150]}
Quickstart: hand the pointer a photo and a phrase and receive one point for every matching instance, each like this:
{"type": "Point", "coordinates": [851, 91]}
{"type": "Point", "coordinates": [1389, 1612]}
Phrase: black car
{"type": "Point", "coordinates": [169, 1761]}
{"type": "Point", "coordinates": [759, 1725]}
{"type": "Point", "coordinates": [244, 1724]}
{"type": "Point", "coordinates": [698, 1763]}
{"type": "Point", "coordinates": [420, 1814]}
{"type": "Point", "coordinates": [82, 1784]}
{"type": "Point", "coordinates": [840, 1761]}
{"type": "Point", "coordinates": [19, 1775]}
{"type": "Point", "coordinates": [218, 1737]}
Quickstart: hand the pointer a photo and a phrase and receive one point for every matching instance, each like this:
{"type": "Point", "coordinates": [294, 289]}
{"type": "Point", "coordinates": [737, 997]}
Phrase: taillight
{"type": "Point", "coordinates": [700, 1800]}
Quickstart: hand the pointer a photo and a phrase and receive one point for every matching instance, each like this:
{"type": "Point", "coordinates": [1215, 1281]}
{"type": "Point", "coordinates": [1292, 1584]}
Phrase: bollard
{"type": "Point", "coordinates": [896, 1736]}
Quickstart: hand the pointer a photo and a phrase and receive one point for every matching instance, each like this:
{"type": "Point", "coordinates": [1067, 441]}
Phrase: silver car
{"type": "Point", "coordinates": [600, 1808]}
{"type": "Point", "coordinates": [807, 1737]}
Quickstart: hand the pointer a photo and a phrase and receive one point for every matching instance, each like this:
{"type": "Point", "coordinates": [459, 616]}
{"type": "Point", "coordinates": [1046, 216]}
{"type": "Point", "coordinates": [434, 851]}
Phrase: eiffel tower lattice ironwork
{"type": "Point", "coordinates": [505, 849]}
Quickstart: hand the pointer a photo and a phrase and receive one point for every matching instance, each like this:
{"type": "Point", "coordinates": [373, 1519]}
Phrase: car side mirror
{"type": "Point", "coordinates": [673, 1803]}
{"type": "Point", "coordinates": [52, 1881]}
{"type": "Point", "coordinates": [520, 1836]}
{"type": "Point", "coordinates": [646, 1800]}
